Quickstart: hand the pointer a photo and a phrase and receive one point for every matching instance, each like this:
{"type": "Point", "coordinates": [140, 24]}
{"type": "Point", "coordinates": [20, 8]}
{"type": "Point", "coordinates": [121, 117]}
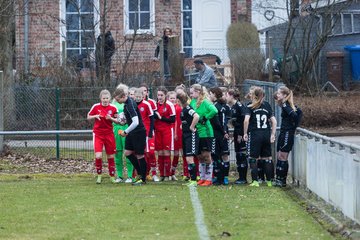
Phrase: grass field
{"type": "Point", "coordinates": [74, 207]}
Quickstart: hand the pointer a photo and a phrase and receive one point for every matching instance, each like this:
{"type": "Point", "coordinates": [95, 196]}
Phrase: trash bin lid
{"type": "Point", "coordinates": [352, 47]}
{"type": "Point", "coordinates": [335, 54]}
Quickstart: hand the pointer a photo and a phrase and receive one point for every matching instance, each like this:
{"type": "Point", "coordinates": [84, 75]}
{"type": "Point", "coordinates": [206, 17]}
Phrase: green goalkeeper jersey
{"type": "Point", "coordinates": [205, 110]}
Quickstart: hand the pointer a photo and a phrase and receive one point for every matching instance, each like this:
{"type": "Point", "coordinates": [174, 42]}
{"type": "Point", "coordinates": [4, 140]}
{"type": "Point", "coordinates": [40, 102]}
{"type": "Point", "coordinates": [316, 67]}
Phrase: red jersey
{"type": "Point", "coordinates": [152, 103]}
{"type": "Point", "coordinates": [166, 110]}
{"type": "Point", "coordinates": [146, 112]}
{"type": "Point", "coordinates": [103, 126]}
{"type": "Point", "coordinates": [177, 123]}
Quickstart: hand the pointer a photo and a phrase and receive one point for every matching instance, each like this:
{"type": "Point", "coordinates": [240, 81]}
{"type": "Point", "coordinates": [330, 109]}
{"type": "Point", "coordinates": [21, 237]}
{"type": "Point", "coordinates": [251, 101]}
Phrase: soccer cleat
{"type": "Point", "coordinates": [112, 180]}
{"type": "Point", "coordinates": [148, 178]}
{"type": "Point", "coordinates": [201, 181]}
{"type": "Point", "coordinates": [254, 184]}
{"type": "Point", "coordinates": [98, 179]}
{"type": "Point", "coordinates": [269, 183]}
{"type": "Point", "coordinates": [174, 178]}
{"type": "Point", "coordinates": [138, 182]}
{"type": "Point", "coordinates": [197, 178]}
{"type": "Point", "coordinates": [185, 178]}
{"type": "Point", "coordinates": [191, 183]}
{"type": "Point", "coordinates": [226, 181]}
{"type": "Point", "coordinates": [240, 182]}
{"type": "Point", "coordinates": [214, 180]}
{"type": "Point", "coordinates": [128, 180]}
{"type": "Point", "coordinates": [118, 180]}
{"type": "Point", "coordinates": [279, 183]}
{"type": "Point", "coordinates": [166, 179]}
{"type": "Point", "coordinates": [155, 178]}
{"type": "Point", "coordinates": [206, 183]}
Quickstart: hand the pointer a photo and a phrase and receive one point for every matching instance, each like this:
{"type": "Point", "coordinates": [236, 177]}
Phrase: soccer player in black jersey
{"type": "Point", "coordinates": [259, 132]}
{"type": "Point", "coordinates": [238, 111]}
{"type": "Point", "coordinates": [290, 116]}
{"type": "Point", "coordinates": [135, 133]}
{"type": "Point", "coordinates": [189, 119]}
{"type": "Point", "coordinates": [221, 136]}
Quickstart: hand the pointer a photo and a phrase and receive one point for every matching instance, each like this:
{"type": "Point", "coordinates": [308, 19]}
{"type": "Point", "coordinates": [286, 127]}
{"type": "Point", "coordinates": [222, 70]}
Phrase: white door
{"type": "Point", "coordinates": [211, 18]}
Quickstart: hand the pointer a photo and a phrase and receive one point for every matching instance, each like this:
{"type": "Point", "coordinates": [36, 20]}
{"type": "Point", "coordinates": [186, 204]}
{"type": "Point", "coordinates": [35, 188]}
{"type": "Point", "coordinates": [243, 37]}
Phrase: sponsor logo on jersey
{"type": "Point", "coordinates": [142, 109]}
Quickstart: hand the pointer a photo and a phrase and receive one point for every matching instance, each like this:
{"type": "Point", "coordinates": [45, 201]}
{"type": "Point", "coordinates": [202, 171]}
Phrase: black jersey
{"type": "Point", "coordinates": [219, 121]}
{"type": "Point", "coordinates": [187, 116]}
{"type": "Point", "coordinates": [131, 110]}
{"type": "Point", "coordinates": [260, 117]}
{"type": "Point", "coordinates": [289, 117]}
{"type": "Point", "coordinates": [238, 111]}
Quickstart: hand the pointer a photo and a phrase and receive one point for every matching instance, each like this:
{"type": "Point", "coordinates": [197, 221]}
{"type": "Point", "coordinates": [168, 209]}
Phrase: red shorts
{"type": "Point", "coordinates": [178, 142]}
{"type": "Point", "coordinates": [107, 141]}
{"type": "Point", "coordinates": [150, 145]}
{"type": "Point", "coordinates": [164, 139]}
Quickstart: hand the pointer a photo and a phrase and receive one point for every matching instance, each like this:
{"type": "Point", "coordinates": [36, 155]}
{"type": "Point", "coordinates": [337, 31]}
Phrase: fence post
{"type": "Point", "coordinates": [57, 116]}
{"type": "Point", "coordinates": [1, 111]}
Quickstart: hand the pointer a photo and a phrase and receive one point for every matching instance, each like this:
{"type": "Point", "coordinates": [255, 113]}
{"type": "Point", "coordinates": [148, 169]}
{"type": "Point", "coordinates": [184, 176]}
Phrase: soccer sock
{"type": "Point", "coordinates": [192, 171]}
{"type": "Point", "coordinates": [282, 168]}
{"type": "Point", "coordinates": [202, 170]}
{"type": "Point", "coordinates": [174, 164]}
{"type": "Point", "coordinates": [254, 169]}
{"type": "Point", "coordinates": [208, 171]}
{"type": "Point", "coordinates": [135, 163]}
{"type": "Point", "coordinates": [167, 165]}
{"type": "Point", "coordinates": [269, 169]}
{"type": "Point", "coordinates": [147, 165]}
{"type": "Point", "coordinates": [161, 165]}
{"type": "Point", "coordinates": [197, 164]}
{"type": "Point", "coordinates": [111, 167]}
{"type": "Point", "coordinates": [238, 162]}
{"type": "Point", "coordinates": [98, 165]}
{"type": "Point", "coordinates": [130, 168]}
{"type": "Point", "coordinates": [243, 167]}
{"type": "Point", "coordinates": [152, 163]}
{"type": "Point", "coordinates": [261, 166]}
{"type": "Point", "coordinates": [186, 168]}
{"type": "Point", "coordinates": [142, 164]}
{"type": "Point", "coordinates": [119, 163]}
{"type": "Point", "coordinates": [226, 166]}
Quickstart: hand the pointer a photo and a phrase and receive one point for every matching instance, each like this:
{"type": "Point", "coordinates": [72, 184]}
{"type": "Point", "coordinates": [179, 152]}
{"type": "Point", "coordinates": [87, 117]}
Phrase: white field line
{"type": "Point", "coordinates": [199, 214]}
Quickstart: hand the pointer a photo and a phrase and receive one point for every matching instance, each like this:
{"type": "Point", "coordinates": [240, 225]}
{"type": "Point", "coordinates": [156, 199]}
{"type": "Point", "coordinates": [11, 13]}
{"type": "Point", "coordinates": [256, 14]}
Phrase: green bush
{"type": "Point", "coordinates": [244, 51]}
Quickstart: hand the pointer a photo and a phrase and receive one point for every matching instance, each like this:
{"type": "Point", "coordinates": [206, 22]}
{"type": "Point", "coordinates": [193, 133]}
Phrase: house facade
{"type": "Point", "coordinates": [51, 32]}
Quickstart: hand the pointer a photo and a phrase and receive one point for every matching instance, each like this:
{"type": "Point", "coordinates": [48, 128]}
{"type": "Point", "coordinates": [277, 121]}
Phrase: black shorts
{"type": "Point", "coordinates": [136, 141]}
{"type": "Point", "coordinates": [285, 141]}
{"type": "Point", "coordinates": [239, 147]}
{"type": "Point", "coordinates": [221, 146]}
{"type": "Point", "coordinates": [258, 144]}
{"type": "Point", "coordinates": [206, 144]}
{"type": "Point", "coordinates": [190, 143]}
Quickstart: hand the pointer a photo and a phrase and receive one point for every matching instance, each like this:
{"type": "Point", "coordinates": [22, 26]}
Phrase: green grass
{"type": "Point", "coordinates": [74, 207]}
{"type": "Point", "coordinates": [50, 152]}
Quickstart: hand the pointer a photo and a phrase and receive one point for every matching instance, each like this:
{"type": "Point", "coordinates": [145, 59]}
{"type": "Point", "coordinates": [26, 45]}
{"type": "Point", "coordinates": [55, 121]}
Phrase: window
{"type": "Point", "coordinates": [80, 29]}
{"type": "Point", "coordinates": [344, 23]}
{"type": "Point", "coordinates": [187, 27]}
{"type": "Point", "coordinates": [139, 16]}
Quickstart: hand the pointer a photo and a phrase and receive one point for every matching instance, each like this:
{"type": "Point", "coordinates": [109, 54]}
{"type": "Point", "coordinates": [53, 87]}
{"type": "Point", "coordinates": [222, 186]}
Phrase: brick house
{"type": "Point", "coordinates": [54, 29]}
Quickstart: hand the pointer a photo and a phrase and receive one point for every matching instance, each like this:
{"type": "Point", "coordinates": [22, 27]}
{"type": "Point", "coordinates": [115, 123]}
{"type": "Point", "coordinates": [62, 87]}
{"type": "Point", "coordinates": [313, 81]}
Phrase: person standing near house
{"type": "Point", "coordinates": [105, 49]}
{"type": "Point", "coordinates": [290, 119]}
{"type": "Point", "coordinates": [135, 134]}
{"type": "Point", "coordinates": [165, 42]}
{"type": "Point", "coordinates": [259, 133]}
{"type": "Point", "coordinates": [104, 115]}
{"type": "Point", "coordinates": [164, 133]}
{"type": "Point", "coordinates": [206, 75]}
{"type": "Point", "coordinates": [206, 111]}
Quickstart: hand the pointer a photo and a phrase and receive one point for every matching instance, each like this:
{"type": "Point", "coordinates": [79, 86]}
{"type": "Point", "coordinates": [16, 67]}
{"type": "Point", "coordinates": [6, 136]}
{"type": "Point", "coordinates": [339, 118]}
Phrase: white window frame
{"type": "Point", "coordinates": [127, 30]}
{"type": "Point", "coordinates": [341, 22]}
{"type": "Point", "coordinates": [62, 25]}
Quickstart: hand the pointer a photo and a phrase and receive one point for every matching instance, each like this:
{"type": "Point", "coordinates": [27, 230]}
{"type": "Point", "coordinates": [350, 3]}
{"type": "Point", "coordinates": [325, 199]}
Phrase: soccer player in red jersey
{"type": "Point", "coordinates": [104, 115]}
{"type": "Point", "coordinates": [164, 132]}
{"type": "Point", "coordinates": [150, 154]}
{"type": "Point", "coordinates": [171, 96]}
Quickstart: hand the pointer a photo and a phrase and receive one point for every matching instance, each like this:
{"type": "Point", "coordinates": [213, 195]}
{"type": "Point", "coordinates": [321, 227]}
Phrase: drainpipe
{"type": "Point", "coordinates": [26, 37]}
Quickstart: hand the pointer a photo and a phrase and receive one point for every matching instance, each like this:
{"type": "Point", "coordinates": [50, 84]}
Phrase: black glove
{"type": "Point", "coordinates": [203, 120]}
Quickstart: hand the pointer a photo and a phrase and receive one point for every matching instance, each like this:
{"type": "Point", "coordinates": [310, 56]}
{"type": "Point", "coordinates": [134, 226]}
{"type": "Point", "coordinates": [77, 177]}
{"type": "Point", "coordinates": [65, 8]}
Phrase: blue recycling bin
{"type": "Point", "coordinates": [354, 51]}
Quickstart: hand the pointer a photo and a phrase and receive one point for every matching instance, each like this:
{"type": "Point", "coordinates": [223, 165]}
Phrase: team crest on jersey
{"type": "Point", "coordinates": [142, 109]}
{"type": "Point", "coordinates": [164, 109]}
{"type": "Point", "coordinates": [110, 112]}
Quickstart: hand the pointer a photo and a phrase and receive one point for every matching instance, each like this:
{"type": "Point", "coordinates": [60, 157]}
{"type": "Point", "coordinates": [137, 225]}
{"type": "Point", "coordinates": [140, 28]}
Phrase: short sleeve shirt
{"type": "Point", "coordinates": [103, 126]}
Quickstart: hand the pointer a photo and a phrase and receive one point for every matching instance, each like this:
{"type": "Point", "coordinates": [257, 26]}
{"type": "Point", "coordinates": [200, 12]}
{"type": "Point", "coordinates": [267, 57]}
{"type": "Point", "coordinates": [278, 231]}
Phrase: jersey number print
{"type": "Point", "coordinates": [261, 121]}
